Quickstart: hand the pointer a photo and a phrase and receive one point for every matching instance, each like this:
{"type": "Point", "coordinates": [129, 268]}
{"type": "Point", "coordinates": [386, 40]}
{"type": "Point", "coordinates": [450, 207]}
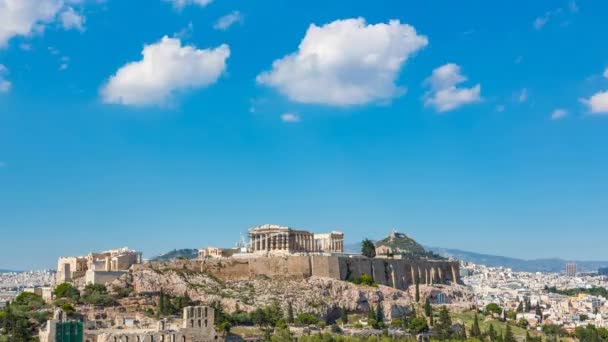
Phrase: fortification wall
{"type": "Point", "coordinates": [398, 273]}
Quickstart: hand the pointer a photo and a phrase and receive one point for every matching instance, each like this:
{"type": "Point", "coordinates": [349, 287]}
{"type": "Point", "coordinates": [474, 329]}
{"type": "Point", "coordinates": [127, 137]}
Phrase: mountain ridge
{"type": "Point", "coordinates": [552, 265]}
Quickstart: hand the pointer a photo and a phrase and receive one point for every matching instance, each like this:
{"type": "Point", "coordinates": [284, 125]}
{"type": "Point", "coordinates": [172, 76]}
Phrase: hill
{"type": "Point", "coordinates": [399, 243]}
{"type": "Point", "coordinates": [185, 253]}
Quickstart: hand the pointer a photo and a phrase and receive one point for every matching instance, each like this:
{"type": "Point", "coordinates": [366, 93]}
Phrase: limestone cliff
{"type": "Point", "coordinates": [313, 294]}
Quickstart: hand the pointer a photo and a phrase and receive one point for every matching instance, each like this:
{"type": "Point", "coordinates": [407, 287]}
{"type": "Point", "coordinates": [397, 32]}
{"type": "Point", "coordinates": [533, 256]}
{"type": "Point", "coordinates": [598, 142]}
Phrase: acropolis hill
{"type": "Point", "coordinates": [283, 252]}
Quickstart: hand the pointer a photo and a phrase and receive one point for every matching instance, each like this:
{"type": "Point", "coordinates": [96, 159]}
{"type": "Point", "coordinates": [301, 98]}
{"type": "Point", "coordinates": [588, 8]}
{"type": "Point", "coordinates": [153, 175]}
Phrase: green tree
{"type": "Point", "coordinates": [428, 310]}
{"type": "Point", "coordinates": [66, 290]}
{"type": "Point", "coordinates": [539, 312]}
{"type": "Point", "coordinates": [366, 280]}
{"type": "Point", "coordinates": [96, 294]}
{"type": "Point", "coordinates": [344, 316]}
{"type": "Point", "coordinates": [290, 315]}
{"type": "Point", "coordinates": [492, 335]}
{"type": "Point", "coordinates": [509, 337]}
{"type": "Point", "coordinates": [417, 290]}
{"type": "Point", "coordinates": [475, 330]}
{"type": "Point", "coordinates": [368, 248]}
{"type": "Point", "coordinates": [224, 328]}
{"type": "Point", "coordinates": [307, 319]}
{"type": "Point", "coordinates": [520, 307]}
{"type": "Point", "coordinates": [379, 313]}
{"type": "Point", "coordinates": [443, 328]}
{"type": "Point", "coordinates": [371, 313]}
{"type": "Point", "coordinates": [417, 325]}
{"type": "Point", "coordinates": [493, 308]}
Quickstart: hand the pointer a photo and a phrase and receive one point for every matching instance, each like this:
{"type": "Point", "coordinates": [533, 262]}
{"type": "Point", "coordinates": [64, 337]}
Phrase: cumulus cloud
{"type": "Point", "coordinates": [559, 114]}
{"type": "Point", "coordinates": [444, 94]}
{"type": "Point", "coordinates": [598, 103]}
{"type": "Point", "coordinates": [166, 67]}
{"type": "Point", "coordinates": [346, 62]}
{"type": "Point", "coordinates": [5, 85]}
{"type": "Point", "coordinates": [228, 20]}
{"type": "Point", "coordinates": [290, 117]}
{"type": "Point", "coordinates": [72, 20]}
{"type": "Point", "coordinates": [179, 4]}
{"type": "Point", "coordinates": [28, 17]}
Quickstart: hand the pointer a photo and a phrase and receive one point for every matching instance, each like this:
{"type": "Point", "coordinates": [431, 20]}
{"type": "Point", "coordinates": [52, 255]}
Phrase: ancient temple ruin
{"type": "Point", "coordinates": [271, 238]}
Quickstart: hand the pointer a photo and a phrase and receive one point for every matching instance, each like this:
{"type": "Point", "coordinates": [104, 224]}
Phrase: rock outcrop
{"type": "Point", "coordinates": [323, 296]}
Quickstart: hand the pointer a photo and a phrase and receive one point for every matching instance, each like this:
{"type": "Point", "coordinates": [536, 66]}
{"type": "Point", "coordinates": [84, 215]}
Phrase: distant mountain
{"type": "Point", "coordinates": [520, 265]}
{"type": "Point", "coordinates": [186, 253]}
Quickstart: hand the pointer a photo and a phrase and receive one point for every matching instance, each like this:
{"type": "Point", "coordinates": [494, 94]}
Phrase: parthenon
{"type": "Point", "coordinates": [280, 239]}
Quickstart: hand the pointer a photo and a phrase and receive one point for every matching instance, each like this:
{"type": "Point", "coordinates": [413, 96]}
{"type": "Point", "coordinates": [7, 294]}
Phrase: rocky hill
{"type": "Point", "coordinates": [322, 296]}
{"type": "Point", "coordinates": [185, 253]}
{"type": "Point", "coordinates": [402, 244]}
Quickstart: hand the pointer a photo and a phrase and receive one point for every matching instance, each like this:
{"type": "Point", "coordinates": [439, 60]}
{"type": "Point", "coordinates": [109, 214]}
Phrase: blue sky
{"type": "Point", "coordinates": [481, 127]}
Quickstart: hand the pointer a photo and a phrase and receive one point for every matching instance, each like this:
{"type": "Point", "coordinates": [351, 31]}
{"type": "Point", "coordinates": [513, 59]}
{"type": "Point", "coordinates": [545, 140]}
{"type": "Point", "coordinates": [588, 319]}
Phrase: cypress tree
{"type": "Point", "coordinates": [417, 290]}
{"type": "Point", "coordinates": [161, 303]}
{"type": "Point", "coordinates": [371, 313]}
{"type": "Point", "coordinates": [443, 328]}
{"type": "Point", "coordinates": [344, 316]}
{"type": "Point", "coordinates": [290, 315]}
{"type": "Point", "coordinates": [379, 313]}
{"type": "Point", "coordinates": [475, 330]}
{"type": "Point", "coordinates": [539, 312]}
{"type": "Point", "coordinates": [428, 310]}
{"type": "Point", "coordinates": [492, 333]}
{"type": "Point", "coordinates": [509, 337]}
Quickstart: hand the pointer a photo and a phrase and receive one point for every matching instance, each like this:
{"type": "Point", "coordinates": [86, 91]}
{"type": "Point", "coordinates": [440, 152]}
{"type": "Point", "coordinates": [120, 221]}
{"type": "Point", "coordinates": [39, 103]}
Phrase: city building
{"type": "Point", "coordinates": [215, 252]}
{"type": "Point", "coordinates": [571, 270]}
{"type": "Point", "coordinates": [281, 239]}
{"type": "Point", "coordinates": [97, 268]}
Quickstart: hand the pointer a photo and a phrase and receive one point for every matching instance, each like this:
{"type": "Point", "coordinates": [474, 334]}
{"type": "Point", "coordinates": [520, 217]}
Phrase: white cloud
{"type": "Point", "coordinates": [72, 20]}
{"type": "Point", "coordinates": [523, 95]}
{"type": "Point", "coordinates": [5, 85]}
{"type": "Point", "coordinates": [598, 103]}
{"type": "Point", "coordinates": [444, 94]}
{"type": "Point", "coordinates": [346, 62]}
{"type": "Point", "coordinates": [290, 117]}
{"type": "Point", "coordinates": [28, 17]}
{"type": "Point", "coordinates": [166, 68]}
{"type": "Point", "coordinates": [559, 114]}
{"type": "Point", "coordinates": [541, 21]}
{"type": "Point", "coordinates": [228, 20]}
{"type": "Point", "coordinates": [179, 4]}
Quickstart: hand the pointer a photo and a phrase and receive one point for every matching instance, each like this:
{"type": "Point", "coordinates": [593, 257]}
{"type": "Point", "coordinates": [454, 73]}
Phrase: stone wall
{"type": "Point", "coordinates": [397, 273]}
{"type": "Point", "coordinates": [102, 277]}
